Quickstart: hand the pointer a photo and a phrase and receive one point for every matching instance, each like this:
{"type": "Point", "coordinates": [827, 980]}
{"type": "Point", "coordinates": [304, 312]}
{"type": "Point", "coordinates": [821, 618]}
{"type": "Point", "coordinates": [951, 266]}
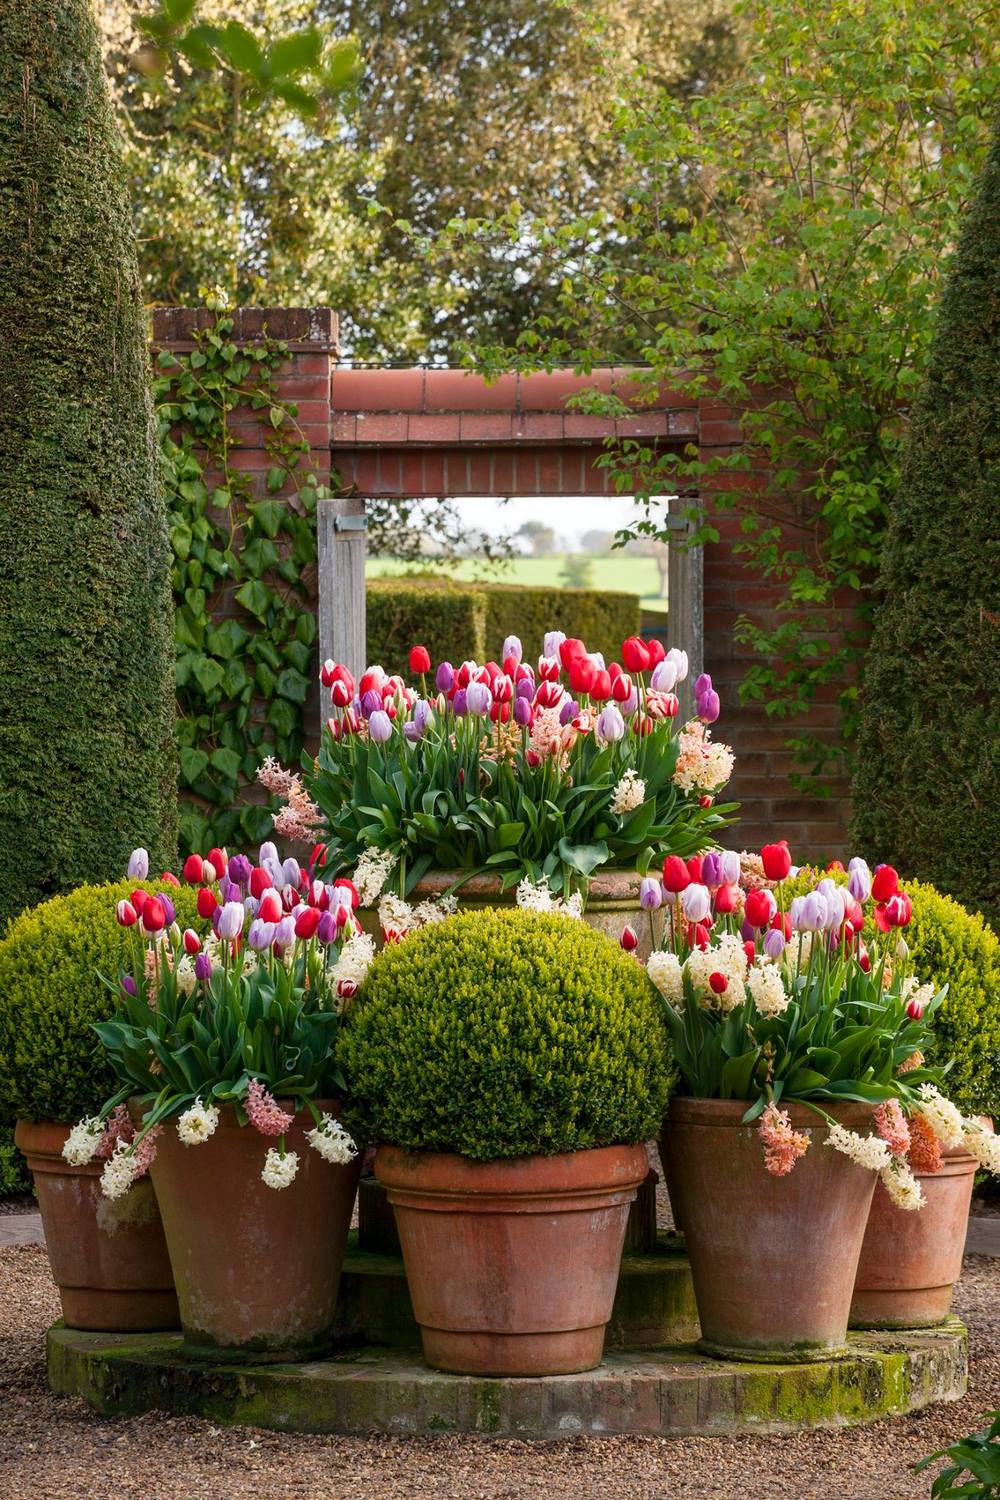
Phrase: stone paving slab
{"type": "Point", "coordinates": [21, 1229]}
{"type": "Point", "coordinates": [984, 1235]}
{"type": "Point", "coordinates": [673, 1391]}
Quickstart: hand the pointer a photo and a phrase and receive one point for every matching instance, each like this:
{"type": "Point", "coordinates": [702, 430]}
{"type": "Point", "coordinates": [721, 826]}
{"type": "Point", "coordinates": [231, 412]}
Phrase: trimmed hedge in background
{"type": "Point", "coordinates": [460, 620]}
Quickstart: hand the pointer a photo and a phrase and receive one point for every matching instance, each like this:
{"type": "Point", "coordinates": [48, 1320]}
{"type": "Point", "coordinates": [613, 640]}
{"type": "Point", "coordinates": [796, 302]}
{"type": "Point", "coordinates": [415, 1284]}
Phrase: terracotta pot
{"type": "Point", "coordinates": [108, 1258]}
{"type": "Point", "coordinates": [773, 1259]}
{"type": "Point", "coordinates": [910, 1261]}
{"type": "Point", "coordinates": [612, 902]}
{"type": "Point", "coordinates": [257, 1268]}
{"type": "Point", "coordinates": [512, 1265]}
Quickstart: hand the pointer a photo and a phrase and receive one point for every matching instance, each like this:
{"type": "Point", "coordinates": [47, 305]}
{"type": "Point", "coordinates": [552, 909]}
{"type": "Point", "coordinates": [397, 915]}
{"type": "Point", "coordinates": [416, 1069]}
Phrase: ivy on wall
{"type": "Point", "coordinates": [244, 555]}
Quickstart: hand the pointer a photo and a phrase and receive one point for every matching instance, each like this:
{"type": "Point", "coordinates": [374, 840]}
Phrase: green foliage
{"type": "Point", "coordinates": [246, 619]}
{"type": "Point", "coordinates": [506, 1033]}
{"type": "Point", "coordinates": [954, 947]}
{"type": "Point", "coordinates": [87, 760]}
{"type": "Point", "coordinates": [973, 1468]}
{"type": "Point", "coordinates": [793, 224]}
{"type": "Point", "coordinates": [455, 621]}
{"type": "Point", "coordinates": [927, 789]}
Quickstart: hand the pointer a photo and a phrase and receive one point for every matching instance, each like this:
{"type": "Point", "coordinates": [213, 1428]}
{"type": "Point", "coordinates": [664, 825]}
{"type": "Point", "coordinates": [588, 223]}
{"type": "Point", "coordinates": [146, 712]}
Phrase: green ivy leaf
{"type": "Point", "coordinates": [255, 597]}
{"type": "Point", "coordinates": [293, 685]}
{"type": "Point", "coordinates": [193, 763]}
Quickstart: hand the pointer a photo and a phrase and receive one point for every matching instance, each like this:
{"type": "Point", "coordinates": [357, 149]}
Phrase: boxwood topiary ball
{"type": "Point", "coordinates": [506, 1033]}
{"type": "Point", "coordinates": [51, 957]}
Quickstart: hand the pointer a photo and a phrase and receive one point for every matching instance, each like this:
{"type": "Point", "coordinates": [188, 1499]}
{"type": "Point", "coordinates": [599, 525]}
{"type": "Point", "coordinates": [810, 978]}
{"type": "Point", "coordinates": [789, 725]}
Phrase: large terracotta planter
{"type": "Point", "coordinates": [108, 1258]}
{"type": "Point", "coordinates": [612, 902]}
{"type": "Point", "coordinates": [256, 1268]}
{"type": "Point", "coordinates": [512, 1265]}
{"type": "Point", "coordinates": [773, 1259]}
{"type": "Point", "coordinates": [910, 1261]}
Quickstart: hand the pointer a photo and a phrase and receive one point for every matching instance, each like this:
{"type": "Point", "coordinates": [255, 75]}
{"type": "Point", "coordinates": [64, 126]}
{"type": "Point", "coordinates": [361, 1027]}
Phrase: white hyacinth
{"type": "Point", "coordinates": [373, 870]}
{"type": "Point", "coordinates": [82, 1142]}
{"type": "Point", "coordinates": [901, 1185]}
{"type": "Point", "coordinates": [942, 1116]}
{"type": "Point", "coordinates": [119, 1172]}
{"type": "Point", "coordinates": [629, 794]}
{"type": "Point", "coordinates": [664, 969]}
{"type": "Point", "coordinates": [354, 959]}
{"type": "Point", "coordinates": [197, 1123]}
{"type": "Point", "coordinates": [767, 989]}
{"type": "Point", "coordinates": [332, 1141]}
{"type": "Point", "coordinates": [865, 1150]}
{"type": "Point", "coordinates": [395, 914]}
{"type": "Point", "coordinates": [984, 1146]}
{"type": "Point", "coordinates": [531, 897]}
{"type": "Point", "coordinates": [279, 1171]}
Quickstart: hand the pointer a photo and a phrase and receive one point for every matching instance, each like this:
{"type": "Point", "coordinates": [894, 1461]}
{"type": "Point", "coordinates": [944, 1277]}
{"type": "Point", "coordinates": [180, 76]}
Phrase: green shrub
{"type": "Point", "coordinates": [88, 764]}
{"type": "Point", "coordinates": [459, 620]}
{"type": "Point", "coordinates": [949, 945]}
{"type": "Point", "coordinates": [51, 1066]}
{"type": "Point", "coordinates": [506, 1033]}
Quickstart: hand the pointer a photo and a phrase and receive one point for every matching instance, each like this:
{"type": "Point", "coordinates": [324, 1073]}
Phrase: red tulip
{"type": "Point", "coordinates": [885, 883]}
{"type": "Point", "coordinates": [635, 654]}
{"type": "Point", "coordinates": [207, 901]}
{"type": "Point", "coordinates": [523, 672]}
{"type": "Point", "coordinates": [347, 886]}
{"type": "Point", "coordinates": [169, 878]}
{"type": "Point", "coordinates": [260, 880]}
{"type": "Point", "coordinates": [420, 659]}
{"type": "Point", "coordinates": [835, 864]}
{"type": "Point", "coordinates": [656, 652]}
{"type": "Point", "coordinates": [570, 649]}
{"type": "Point", "coordinates": [600, 689]}
{"type": "Point", "coordinates": [340, 694]}
{"type": "Point", "coordinates": [898, 910]}
{"type": "Point", "coordinates": [675, 874]}
{"type": "Point", "coordinates": [138, 898]}
{"type": "Point", "coordinates": [777, 860]}
{"type": "Point", "coordinates": [347, 988]}
{"type": "Point", "coordinates": [270, 907]}
{"type": "Point", "coordinates": [705, 800]}
{"type": "Point", "coordinates": [192, 942]}
{"type": "Point", "coordinates": [548, 694]}
{"type": "Point", "coordinates": [306, 922]}
{"type": "Point", "coordinates": [503, 689]}
{"type": "Point", "coordinates": [718, 983]}
{"type": "Point", "coordinates": [126, 914]}
{"type": "Point", "coordinates": [864, 959]}
{"type": "Point", "coordinates": [642, 724]}
{"type": "Point", "coordinates": [694, 868]}
{"type": "Point", "coordinates": [759, 908]}
{"type": "Point", "coordinates": [154, 918]}
{"type": "Point", "coordinates": [218, 861]}
{"type": "Point", "coordinates": [782, 922]}
{"type": "Point", "coordinates": [854, 914]}
{"type": "Point", "coordinates": [548, 669]}
{"type": "Point", "coordinates": [629, 940]}
{"type": "Point", "coordinates": [194, 869]}
{"type": "Point", "coordinates": [621, 684]}
{"type": "Point", "coordinates": [915, 1010]}
{"type": "Point", "coordinates": [698, 936]}
{"type": "Point", "coordinates": [725, 899]}
{"type": "Point", "coordinates": [582, 673]}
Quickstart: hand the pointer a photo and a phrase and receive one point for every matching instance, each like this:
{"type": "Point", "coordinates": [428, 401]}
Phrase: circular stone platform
{"type": "Point", "coordinates": [673, 1391]}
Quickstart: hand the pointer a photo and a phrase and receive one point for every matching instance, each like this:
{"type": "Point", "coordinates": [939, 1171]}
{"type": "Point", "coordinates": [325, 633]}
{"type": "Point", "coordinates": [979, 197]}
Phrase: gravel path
{"type": "Point", "coordinates": [54, 1449]}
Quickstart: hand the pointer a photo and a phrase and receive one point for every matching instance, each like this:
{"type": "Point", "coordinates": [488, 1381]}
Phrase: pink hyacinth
{"type": "Point", "coordinates": [144, 1153]}
{"type": "Point", "coordinates": [782, 1145]}
{"type": "Point", "coordinates": [263, 1110]}
{"type": "Point", "coordinates": [117, 1127]}
{"type": "Point", "coordinates": [890, 1122]}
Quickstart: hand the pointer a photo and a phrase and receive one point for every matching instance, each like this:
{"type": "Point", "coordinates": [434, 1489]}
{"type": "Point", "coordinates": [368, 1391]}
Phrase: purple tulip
{"type": "Point", "coordinates": [230, 891]}
{"type": "Point", "coordinates": [553, 640]}
{"type": "Point", "coordinates": [444, 677]}
{"type": "Point", "coordinates": [203, 966]}
{"type": "Point", "coordinates": [711, 869]}
{"type": "Point", "coordinates": [371, 702]}
{"type": "Point", "coordinates": [569, 711]}
{"type": "Point", "coordinates": [664, 676]}
{"type": "Point", "coordinates": [231, 918]}
{"type": "Point", "coordinates": [696, 902]}
{"type": "Point", "coordinates": [610, 726]}
{"type": "Point", "coordinates": [702, 685]}
{"type": "Point", "coordinates": [630, 704]}
{"type": "Point", "coordinates": [251, 906]}
{"type": "Point", "coordinates": [423, 715]}
{"type": "Point", "coordinates": [284, 932]}
{"type": "Point", "coordinates": [808, 913]}
{"type": "Point", "coordinates": [267, 851]}
{"type": "Point", "coordinates": [774, 943]}
{"type": "Point", "coordinates": [478, 698]}
{"type": "Point", "coordinates": [129, 985]}
{"type": "Point", "coordinates": [261, 935]}
{"type": "Point", "coordinates": [380, 726]}
{"type": "Point", "coordinates": [834, 898]}
{"type": "Point", "coordinates": [239, 867]}
{"type": "Point", "coordinates": [748, 933]}
{"type": "Point", "coordinates": [680, 661]}
{"type": "Point", "coordinates": [730, 867]}
{"type": "Point", "coordinates": [709, 707]}
{"type": "Point", "coordinates": [168, 908]}
{"type": "Point", "coordinates": [512, 647]}
{"type": "Point", "coordinates": [327, 929]}
{"type": "Point", "coordinates": [138, 864]}
{"type": "Point", "coordinates": [650, 893]}
{"type": "Point", "coordinates": [524, 689]}
{"type": "Point", "coordinates": [458, 703]}
{"type": "Point", "coordinates": [291, 873]}
{"type": "Point", "coordinates": [522, 712]}
{"type": "Point", "coordinates": [859, 879]}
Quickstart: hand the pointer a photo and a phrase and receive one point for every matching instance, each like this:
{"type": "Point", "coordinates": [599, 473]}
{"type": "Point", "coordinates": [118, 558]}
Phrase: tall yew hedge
{"type": "Point", "coordinates": [87, 758]}
{"type": "Point", "coordinates": [927, 787]}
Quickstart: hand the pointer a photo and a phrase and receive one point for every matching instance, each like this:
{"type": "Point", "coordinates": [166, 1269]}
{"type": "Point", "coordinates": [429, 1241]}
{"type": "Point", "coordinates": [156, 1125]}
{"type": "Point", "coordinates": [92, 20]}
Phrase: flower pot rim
{"type": "Point", "coordinates": [447, 1172]}
{"type": "Point", "coordinates": [227, 1113]}
{"type": "Point", "coordinates": [611, 880]}
{"type": "Point", "coordinates": [41, 1137]}
{"type": "Point", "coordinates": [685, 1109]}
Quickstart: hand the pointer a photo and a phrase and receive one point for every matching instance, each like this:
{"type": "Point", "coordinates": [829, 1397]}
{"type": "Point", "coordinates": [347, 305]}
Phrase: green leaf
{"type": "Point", "coordinates": [227, 762]}
{"type": "Point", "coordinates": [240, 48]}
{"type": "Point", "coordinates": [583, 858]}
{"type": "Point", "coordinates": [269, 515]}
{"type": "Point", "coordinates": [295, 53]}
{"type": "Point", "coordinates": [292, 684]}
{"type": "Point", "coordinates": [193, 763]}
{"type": "Point", "coordinates": [255, 597]}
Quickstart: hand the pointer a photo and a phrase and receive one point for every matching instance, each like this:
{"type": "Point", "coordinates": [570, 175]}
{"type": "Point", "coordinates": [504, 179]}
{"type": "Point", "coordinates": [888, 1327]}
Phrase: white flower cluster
{"type": "Point", "coordinates": [531, 897]}
{"type": "Point", "coordinates": [920, 994]}
{"type": "Point", "coordinates": [120, 1171]}
{"type": "Point", "coordinates": [373, 870]}
{"type": "Point", "coordinates": [767, 989]}
{"type": "Point", "coordinates": [942, 1116]}
{"type": "Point", "coordinates": [197, 1123]}
{"type": "Point", "coordinates": [332, 1141]}
{"type": "Point", "coordinates": [279, 1168]}
{"type": "Point", "coordinates": [901, 1185]}
{"type": "Point", "coordinates": [353, 960]}
{"type": "Point", "coordinates": [726, 957]}
{"type": "Point", "coordinates": [398, 917]}
{"type": "Point", "coordinates": [185, 975]}
{"type": "Point", "coordinates": [629, 794]}
{"type": "Point", "coordinates": [81, 1144]}
{"type": "Point", "coordinates": [984, 1146]}
{"type": "Point", "coordinates": [865, 1150]}
{"type": "Point", "coordinates": [664, 969]}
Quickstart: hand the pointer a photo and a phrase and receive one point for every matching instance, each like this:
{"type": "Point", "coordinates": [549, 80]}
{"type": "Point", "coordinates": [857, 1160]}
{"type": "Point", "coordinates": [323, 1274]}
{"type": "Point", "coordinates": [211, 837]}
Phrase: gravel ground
{"type": "Point", "coordinates": [54, 1449]}
{"type": "Point", "coordinates": [18, 1203]}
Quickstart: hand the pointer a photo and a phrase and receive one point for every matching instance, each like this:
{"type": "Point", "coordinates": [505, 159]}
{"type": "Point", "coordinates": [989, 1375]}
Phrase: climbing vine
{"type": "Point", "coordinates": [244, 558]}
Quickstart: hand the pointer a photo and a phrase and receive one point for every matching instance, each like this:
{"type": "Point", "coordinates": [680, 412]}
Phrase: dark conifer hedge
{"type": "Point", "coordinates": [927, 787]}
{"type": "Point", "coordinates": [87, 759]}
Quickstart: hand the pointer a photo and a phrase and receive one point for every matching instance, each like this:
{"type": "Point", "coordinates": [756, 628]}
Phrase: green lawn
{"type": "Point", "coordinates": [617, 573]}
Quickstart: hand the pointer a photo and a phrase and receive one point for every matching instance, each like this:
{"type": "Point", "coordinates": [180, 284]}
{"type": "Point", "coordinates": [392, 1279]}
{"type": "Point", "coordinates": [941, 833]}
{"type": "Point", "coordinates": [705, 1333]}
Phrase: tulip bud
{"type": "Point", "coordinates": [194, 869]}
{"type": "Point", "coordinates": [239, 867]}
{"type": "Point", "coordinates": [650, 893]}
{"type": "Point", "coordinates": [168, 908]}
{"type": "Point", "coordinates": [340, 697]}
{"type": "Point", "coordinates": [138, 865]}
{"type": "Point", "coordinates": [512, 647]}
{"type": "Point", "coordinates": [261, 935]}
{"type": "Point", "coordinates": [420, 659]}
{"type": "Point", "coordinates": [610, 726]}
{"type": "Point", "coordinates": [270, 906]}
{"type": "Point", "coordinates": [777, 860]}
{"type": "Point", "coordinates": [709, 707]}
{"type": "Point", "coordinates": [569, 648]}
{"type": "Point", "coordinates": [380, 727]}
{"type": "Point", "coordinates": [552, 642]}
{"type": "Point", "coordinates": [726, 899]}
{"type": "Point", "coordinates": [759, 908]}
{"type": "Point", "coordinates": [154, 918]}
{"type": "Point", "coordinates": [347, 988]}
{"type": "Point", "coordinates": [346, 885]}
{"type": "Point", "coordinates": [523, 712]}
{"type": "Point", "coordinates": [696, 903]}
{"type": "Point", "coordinates": [629, 940]}
{"type": "Point", "coordinates": [675, 874]}
{"type": "Point", "coordinates": [635, 654]}
{"type": "Point", "coordinates": [125, 914]}
{"type": "Point", "coordinates": [548, 669]}
{"type": "Point", "coordinates": [191, 940]}
{"type": "Point", "coordinates": [702, 684]}
{"type": "Point", "coordinates": [730, 867]}
{"type": "Point", "coordinates": [230, 920]}
{"type": "Point", "coordinates": [859, 879]}
{"type": "Point", "coordinates": [885, 883]}
{"type": "Point", "coordinates": [774, 943]}
{"type": "Point", "coordinates": [664, 678]}
{"type": "Point", "coordinates": [478, 698]}
{"type": "Point", "coordinates": [217, 859]}
{"type": "Point", "coordinates": [600, 688]}
{"type": "Point", "coordinates": [582, 674]}
{"type": "Point", "coordinates": [306, 922]}
{"type": "Point", "coordinates": [129, 986]}
{"type": "Point", "coordinates": [750, 951]}
{"type": "Point", "coordinates": [206, 902]}
{"type": "Point", "coordinates": [680, 661]}
{"type": "Point", "coordinates": [915, 1010]}
{"type": "Point", "coordinates": [718, 983]}
{"type": "Point", "coordinates": [621, 688]}
{"type": "Point", "coordinates": [694, 866]}
{"type": "Point", "coordinates": [711, 869]}
{"type": "Point", "coordinates": [656, 652]}
{"type": "Point", "coordinates": [169, 878]}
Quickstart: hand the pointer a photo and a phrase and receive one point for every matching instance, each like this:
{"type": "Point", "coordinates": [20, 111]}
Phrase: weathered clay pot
{"type": "Point", "coordinates": [256, 1268]}
{"type": "Point", "coordinates": [512, 1265]}
{"type": "Point", "coordinates": [910, 1261]}
{"type": "Point", "coordinates": [108, 1258]}
{"type": "Point", "coordinates": [773, 1259]}
{"type": "Point", "coordinates": [612, 902]}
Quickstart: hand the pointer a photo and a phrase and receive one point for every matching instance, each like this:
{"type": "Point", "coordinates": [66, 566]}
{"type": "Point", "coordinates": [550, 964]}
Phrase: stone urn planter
{"type": "Point", "coordinates": [910, 1261]}
{"type": "Point", "coordinates": [109, 1258]}
{"type": "Point", "coordinates": [257, 1268]}
{"type": "Point", "coordinates": [612, 902]}
{"type": "Point", "coordinates": [773, 1259]}
{"type": "Point", "coordinates": [512, 1265]}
